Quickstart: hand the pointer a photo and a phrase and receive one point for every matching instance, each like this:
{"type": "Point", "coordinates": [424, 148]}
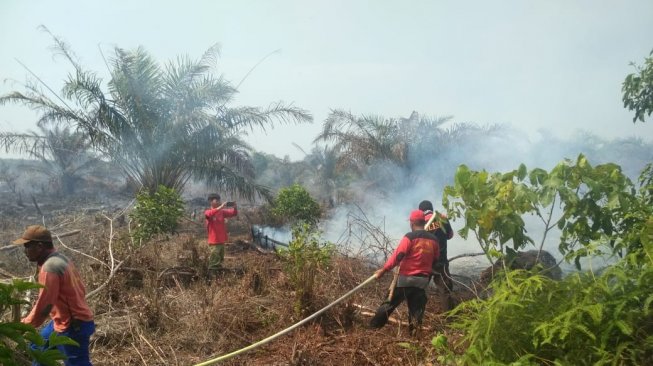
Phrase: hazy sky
{"type": "Point", "coordinates": [552, 65]}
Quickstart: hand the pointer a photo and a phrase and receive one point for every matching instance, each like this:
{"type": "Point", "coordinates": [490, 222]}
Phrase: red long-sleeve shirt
{"type": "Point", "coordinates": [63, 297]}
{"type": "Point", "coordinates": [215, 224]}
{"type": "Point", "coordinates": [416, 254]}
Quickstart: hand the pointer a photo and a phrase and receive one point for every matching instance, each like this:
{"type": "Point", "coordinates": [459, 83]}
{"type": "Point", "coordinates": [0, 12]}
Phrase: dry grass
{"type": "Point", "coordinates": [159, 309]}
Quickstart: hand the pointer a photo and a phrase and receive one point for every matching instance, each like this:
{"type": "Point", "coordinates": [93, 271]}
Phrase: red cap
{"type": "Point", "coordinates": [416, 215]}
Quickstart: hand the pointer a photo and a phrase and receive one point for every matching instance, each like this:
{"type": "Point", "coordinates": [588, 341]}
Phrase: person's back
{"type": "Point", "coordinates": [441, 228]}
{"type": "Point", "coordinates": [422, 251]}
{"type": "Point", "coordinates": [416, 255]}
{"type": "Point", "coordinates": [65, 293]}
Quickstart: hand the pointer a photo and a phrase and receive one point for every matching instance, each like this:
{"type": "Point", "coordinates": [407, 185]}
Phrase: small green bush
{"type": "Point", "coordinates": [156, 213]}
{"type": "Point", "coordinates": [294, 203]}
{"type": "Point", "coordinates": [305, 255]}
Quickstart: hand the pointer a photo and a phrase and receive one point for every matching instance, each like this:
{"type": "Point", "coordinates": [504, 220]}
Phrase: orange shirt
{"type": "Point", "coordinates": [63, 295]}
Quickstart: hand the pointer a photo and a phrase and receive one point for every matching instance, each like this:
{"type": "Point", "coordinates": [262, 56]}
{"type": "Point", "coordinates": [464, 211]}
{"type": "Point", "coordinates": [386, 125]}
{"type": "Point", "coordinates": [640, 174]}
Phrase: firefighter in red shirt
{"type": "Point", "coordinates": [62, 298]}
{"type": "Point", "coordinates": [416, 255]}
{"type": "Point", "coordinates": [217, 230]}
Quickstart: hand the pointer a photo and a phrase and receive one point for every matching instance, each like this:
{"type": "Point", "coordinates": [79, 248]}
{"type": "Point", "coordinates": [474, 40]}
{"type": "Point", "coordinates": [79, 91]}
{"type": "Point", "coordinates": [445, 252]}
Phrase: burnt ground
{"type": "Point", "coordinates": [159, 309]}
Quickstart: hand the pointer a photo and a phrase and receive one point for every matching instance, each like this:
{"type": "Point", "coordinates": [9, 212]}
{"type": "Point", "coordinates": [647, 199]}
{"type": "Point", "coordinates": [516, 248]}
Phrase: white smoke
{"type": "Point", "coordinates": [388, 201]}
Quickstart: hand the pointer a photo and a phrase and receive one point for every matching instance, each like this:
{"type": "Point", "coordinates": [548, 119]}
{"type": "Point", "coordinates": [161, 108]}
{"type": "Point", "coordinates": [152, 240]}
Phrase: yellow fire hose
{"type": "Point", "coordinates": [306, 320]}
{"type": "Point", "coordinates": [287, 330]}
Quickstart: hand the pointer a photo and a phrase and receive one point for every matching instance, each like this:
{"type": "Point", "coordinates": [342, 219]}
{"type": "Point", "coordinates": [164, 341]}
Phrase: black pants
{"type": "Point", "coordinates": [416, 299]}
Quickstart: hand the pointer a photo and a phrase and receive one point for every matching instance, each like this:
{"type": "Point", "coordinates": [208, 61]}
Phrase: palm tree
{"type": "Point", "coordinates": [65, 155]}
{"type": "Point", "coordinates": [321, 164]}
{"type": "Point", "coordinates": [162, 125]}
{"type": "Point", "coordinates": [360, 140]}
{"type": "Point", "coordinates": [368, 143]}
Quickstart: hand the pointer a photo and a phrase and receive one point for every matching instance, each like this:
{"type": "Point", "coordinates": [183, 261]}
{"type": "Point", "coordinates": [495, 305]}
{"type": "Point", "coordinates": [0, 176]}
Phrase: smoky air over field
{"type": "Point", "coordinates": [397, 190]}
{"type": "Point", "coordinates": [525, 83]}
{"type": "Point", "coordinates": [529, 123]}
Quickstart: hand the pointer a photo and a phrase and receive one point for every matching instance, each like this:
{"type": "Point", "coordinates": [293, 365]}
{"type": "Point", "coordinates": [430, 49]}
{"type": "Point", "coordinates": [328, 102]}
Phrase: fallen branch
{"type": "Point", "coordinates": [113, 267]}
{"type": "Point", "coordinates": [367, 357]}
{"type": "Point", "coordinates": [13, 246]}
{"type": "Point", "coordinates": [163, 361]}
{"type": "Point", "coordinates": [139, 353]}
{"type": "Point", "coordinates": [194, 222]}
{"type": "Point", "coordinates": [369, 312]}
{"type": "Point", "coordinates": [71, 233]}
{"type": "Point", "coordinates": [466, 255]}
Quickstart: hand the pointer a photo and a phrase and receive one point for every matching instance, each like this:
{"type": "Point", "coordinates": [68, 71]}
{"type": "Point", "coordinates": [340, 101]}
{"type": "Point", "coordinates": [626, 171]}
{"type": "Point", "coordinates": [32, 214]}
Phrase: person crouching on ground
{"type": "Point", "coordinates": [217, 230]}
{"type": "Point", "coordinates": [416, 255]}
{"type": "Point", "coordinates": [62, 297]}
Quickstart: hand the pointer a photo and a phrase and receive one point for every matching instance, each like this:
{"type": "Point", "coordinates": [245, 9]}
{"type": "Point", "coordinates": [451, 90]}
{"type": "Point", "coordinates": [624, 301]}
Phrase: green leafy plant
{"type": "Point", "coordinates": [156, 213]}
{"type": "Point", "coordinates": [638, 90]}
{"type": "Point", "coordinates": [15, 337]}
{"type": "Point", "coordinates": [294, 203]}
{"type": "Point", "coordinates": [593, 202]}
{"type": "Point", "coordinates": [584, 319]}
{"type": "Point", "coordinates": [305, 256]}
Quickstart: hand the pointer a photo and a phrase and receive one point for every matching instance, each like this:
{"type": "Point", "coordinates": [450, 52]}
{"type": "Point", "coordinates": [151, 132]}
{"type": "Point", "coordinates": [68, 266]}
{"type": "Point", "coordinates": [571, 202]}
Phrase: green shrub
{"type": "Point", "coordinates": [305, 255]}
{"type": "Point", "coordinates": [586, 318]}
{"type": "Point", "coordinates": [294, 203]}
{"type": "Point", "coordinates": [581, 320]}
{"type": "Point", "coordinates": [156, 213]}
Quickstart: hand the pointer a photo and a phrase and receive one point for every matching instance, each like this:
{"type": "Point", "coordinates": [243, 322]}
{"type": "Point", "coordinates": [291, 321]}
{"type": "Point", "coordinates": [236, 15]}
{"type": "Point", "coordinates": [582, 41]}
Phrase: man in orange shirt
{"type": "Point", "coordinates": [62, 297]}
{"type": "Point", "coordinates": [217, 230]}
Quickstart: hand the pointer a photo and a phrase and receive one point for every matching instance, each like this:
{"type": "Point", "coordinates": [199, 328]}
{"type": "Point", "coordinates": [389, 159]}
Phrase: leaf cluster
{"type": "Point", "coordinates": [156, 213]}
{"type": "Point", "coordinates": [586, 318]}
{"type": "Point", "coordinates": [65, 155]}
{"type": "Point", "coordinates": [581, 320]}
{"type": "Point", "coordinates": [637, 90]}
{"type": "Point", "coordinates": [294, 203]}
{"type": "Point", "coordinates": [591, 206]}
{"type": "Point", "coordinates": [15, 337]}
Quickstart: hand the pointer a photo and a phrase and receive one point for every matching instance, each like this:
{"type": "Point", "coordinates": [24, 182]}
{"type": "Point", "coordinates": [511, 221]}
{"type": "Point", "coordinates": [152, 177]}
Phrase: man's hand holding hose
{"type": "Point", "coordinates": [379, 273]}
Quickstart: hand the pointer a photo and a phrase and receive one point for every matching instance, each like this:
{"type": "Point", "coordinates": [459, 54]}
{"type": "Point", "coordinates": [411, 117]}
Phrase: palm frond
{"type": "Point", "coordinates": [251, 117]}
{"type": "Point", "coordinates": [20, 143]}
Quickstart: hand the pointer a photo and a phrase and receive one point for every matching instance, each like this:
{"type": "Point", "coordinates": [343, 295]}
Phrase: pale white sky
{"type": "Point", "coordinates": [554, 65]}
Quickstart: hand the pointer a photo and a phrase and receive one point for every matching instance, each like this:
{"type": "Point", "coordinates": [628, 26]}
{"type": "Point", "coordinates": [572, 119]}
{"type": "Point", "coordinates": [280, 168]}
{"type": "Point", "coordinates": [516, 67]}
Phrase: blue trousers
{"type": "Point", "coordinates": [80, 333]}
